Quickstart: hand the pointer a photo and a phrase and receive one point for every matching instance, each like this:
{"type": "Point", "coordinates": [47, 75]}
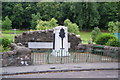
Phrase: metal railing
{"type": "Point", "coordinates": [45, 57]}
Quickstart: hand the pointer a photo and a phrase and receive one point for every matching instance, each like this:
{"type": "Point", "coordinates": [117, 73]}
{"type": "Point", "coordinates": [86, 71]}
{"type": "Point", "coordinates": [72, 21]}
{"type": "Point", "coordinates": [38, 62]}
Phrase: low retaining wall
{"type": "Point", "coordinates": [107, 50]}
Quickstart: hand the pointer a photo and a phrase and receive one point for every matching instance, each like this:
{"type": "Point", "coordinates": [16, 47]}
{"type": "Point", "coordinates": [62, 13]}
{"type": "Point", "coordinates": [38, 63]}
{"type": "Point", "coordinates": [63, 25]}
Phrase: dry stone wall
{"type": "Point", "coordinates": [18, 56]}
{"type": "Point", "coordinates": [44, 36]}
{"type": "Point", "coordinates": [107, 50]}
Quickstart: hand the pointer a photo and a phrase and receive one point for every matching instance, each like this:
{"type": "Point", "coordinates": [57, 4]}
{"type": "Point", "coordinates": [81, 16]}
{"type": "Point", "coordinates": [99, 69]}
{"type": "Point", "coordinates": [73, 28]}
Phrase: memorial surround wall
{"type": "Point", "coordinates": [45, 36]}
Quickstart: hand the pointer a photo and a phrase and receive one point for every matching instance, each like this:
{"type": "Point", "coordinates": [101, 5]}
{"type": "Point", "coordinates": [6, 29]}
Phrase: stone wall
{"type": "Point", "coordinates": [44, 36]}
{"type": "Point", "coordinates": [107, 50]}
{"type": "Point", "coordinates": [18, 56]}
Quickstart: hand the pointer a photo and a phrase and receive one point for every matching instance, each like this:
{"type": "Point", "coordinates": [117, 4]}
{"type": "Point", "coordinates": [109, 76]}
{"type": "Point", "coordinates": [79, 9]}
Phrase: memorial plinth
{"type": "Point", "coordinates": [60, 43]}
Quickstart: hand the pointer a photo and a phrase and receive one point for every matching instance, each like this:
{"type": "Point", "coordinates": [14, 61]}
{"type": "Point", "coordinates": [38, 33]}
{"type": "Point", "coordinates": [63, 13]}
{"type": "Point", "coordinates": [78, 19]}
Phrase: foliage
{"type": "Point", "coordinates": [114, 27]}
{"type": "Point", "coordinates": [5, 42]}
{"type": "Point", "coordinates": [7, 23]}
{"type": "Point", "coordinates": [43, 25]}
{"type": "Point", "coordinates": [72, 27]}
{"type": "Point", "coordinates": [86, 15]}
{"type": "Point", "coordinates": [35, 18]}
{"type": "Point", "coordinates": [89, 15]}
{"type": "Point", "coordinates": [108, 11]}
{"type": "Point", "coordinates": [4, 49]}
{"type": "Point", "coordinates": [17, 16]}
{"type": "Point", "coordinates": [103, 38]}
{"type": "Point", "coordinates": [0, 25]}
{"type": "Point", "coordinates": [95, 33]}
{"type": "Point", "coordinates": [113, 42]}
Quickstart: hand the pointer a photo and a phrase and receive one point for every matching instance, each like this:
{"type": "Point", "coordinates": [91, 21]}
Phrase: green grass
{"type": "Point", "coordinates": [10, 34]}
{"type": "Point", "coordinates": [12, 31]}
{"type": "Point", "coordinates": [85, 36]}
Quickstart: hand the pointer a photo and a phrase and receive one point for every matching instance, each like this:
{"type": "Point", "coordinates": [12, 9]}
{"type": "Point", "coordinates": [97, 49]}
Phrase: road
{"type": "Point", "coordinates": [79, 74]}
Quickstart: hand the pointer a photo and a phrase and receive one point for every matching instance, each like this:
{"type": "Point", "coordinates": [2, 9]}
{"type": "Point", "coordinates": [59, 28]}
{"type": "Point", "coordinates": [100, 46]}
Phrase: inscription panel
{"type": "Point", "coordinates": [43, 45]}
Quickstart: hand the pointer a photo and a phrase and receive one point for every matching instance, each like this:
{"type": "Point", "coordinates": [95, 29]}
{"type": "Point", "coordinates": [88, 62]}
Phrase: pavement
{"type": "Point", "coordinates": [44, 68]}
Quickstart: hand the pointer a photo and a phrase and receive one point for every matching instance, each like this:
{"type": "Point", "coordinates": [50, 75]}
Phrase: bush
{"type": "Point", "coordinates": [5, 42]}
{"type": "Point", "coordinates": [113, 42]}
{"type": "Point", "coordinates": [95, 33]}
{"type": "Point", "coordinates": [103, 38]}
{"type": "Point", "coordinates": [72, 27]}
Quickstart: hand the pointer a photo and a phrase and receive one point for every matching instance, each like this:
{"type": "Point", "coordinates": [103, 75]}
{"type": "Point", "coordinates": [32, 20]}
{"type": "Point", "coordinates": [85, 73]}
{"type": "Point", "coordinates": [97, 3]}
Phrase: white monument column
{"type": "Point", "coordinates": [60, 48]}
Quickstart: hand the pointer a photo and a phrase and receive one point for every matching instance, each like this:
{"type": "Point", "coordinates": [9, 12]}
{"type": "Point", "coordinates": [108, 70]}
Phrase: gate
{"type": "Point", "coordinates": [45, 57]}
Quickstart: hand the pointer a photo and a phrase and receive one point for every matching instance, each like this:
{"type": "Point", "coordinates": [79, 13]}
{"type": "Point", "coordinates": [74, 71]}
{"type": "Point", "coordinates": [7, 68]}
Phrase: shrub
{"type": "Point", "coordinates": [113, 42]}
{"type": "Point", "coordinates": [95, 33]}
{"type": "Point", "coordinates": [4, 49]}
{"type": "Point", "coordinates": [72, 27]}
{"type": "Point", "coordinates": [103, 38]}
{"type": "Point", "coordinates": [5, 42]}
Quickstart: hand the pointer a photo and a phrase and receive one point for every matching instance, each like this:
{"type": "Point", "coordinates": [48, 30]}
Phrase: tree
{"type": "Point", "coordinates": [7, 23]}
{"type": "Point", "coordinates": [53, 23]}
{"type": "Point", "coordinates": [72, 27]}
{"type": "Point", "coordinates": [90, 14]}
{"type": "Point", "coordinates": [35, 18]}
{"type": "Point", "coordinates": [114, 27]}
{"type": "Point", "coordinates": [85, 14]}
{"type": "Point", "coordinates": [17, 15]}
{"type": "Point", "coordinates": [108, 12]}
{"type": "Point", "coordinates": [0, 25]}
{"type": "Point", "coordinates": [43, 25]}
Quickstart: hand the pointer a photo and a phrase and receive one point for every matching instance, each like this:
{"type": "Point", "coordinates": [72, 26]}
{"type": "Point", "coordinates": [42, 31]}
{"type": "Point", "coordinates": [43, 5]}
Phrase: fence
{"type": "Point", "coordinates": [45, 57]}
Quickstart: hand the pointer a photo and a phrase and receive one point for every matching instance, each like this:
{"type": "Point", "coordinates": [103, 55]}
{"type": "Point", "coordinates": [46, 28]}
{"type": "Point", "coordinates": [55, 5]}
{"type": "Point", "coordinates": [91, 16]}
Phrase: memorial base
{"type": "Point", "coordinates": [61, 52]}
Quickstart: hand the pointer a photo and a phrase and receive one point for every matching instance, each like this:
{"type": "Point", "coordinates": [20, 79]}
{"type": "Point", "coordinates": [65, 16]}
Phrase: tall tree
{"type": "Point", "coordinates": [90, 14]}
{"type": "Point", "coordinates": [17, 15]}
{"type": "Point", "coordinates": [7, 23]}
{"type": "Point", "coordinates": [108, 12]}
{"type": "Point", "coordinates": [35, 18]}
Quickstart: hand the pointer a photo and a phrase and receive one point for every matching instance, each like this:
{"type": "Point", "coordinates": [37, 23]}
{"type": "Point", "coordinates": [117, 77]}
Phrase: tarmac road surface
{"type": "Point", "coordinates": [79, 74]}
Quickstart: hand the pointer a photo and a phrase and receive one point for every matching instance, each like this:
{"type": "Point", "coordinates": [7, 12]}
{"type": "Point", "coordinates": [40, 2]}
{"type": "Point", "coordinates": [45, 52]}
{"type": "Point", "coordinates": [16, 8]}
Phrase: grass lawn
{"type": "Point", "coordinates": [12, 31]}
{"type": "Point", "coordinates": [10, 34]}
{"type": "Point", "coordinates": [85, 36]}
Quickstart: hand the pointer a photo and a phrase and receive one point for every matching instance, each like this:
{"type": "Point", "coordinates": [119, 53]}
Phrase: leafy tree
{"type": "Point", "coordinates": [72, 27]}
{"type": "Point", "coordinates": [53, 23]}
{"type": "Point", "coordinates": [85, 14]}
{"type": "Point", "coordinates": [114, 27]}
{"type": "Point", "coordinates": [7, 23]}
{"type": "Point", "coordinates": [90, 14]}
{"type": "Point", "coordinates": [17, 16]}
{"type": "Point", "coordinates": [0, 25]}
{"type": "Point", "coordinates": [35, 18]}
{"type": "Point", "coordinates": [43, 25]}
{"type": "Point", "coordinates": [108, 12]}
